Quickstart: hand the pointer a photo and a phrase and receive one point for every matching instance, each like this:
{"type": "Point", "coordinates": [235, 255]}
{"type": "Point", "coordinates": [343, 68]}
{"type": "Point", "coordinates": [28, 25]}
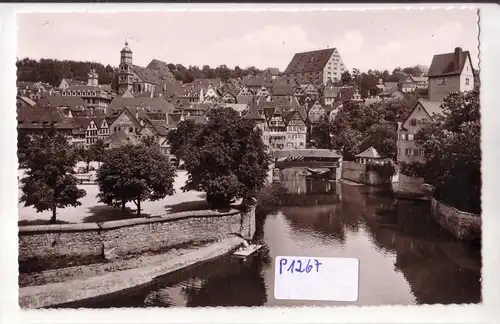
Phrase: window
{"type": "Point", "coordinates": [410, 137]}
{"type": "Point", "coordinates": [441, 81]}
{"type": "Point", "coordinates": [408, 151]}
{"type": "Point", "coordinates": [467, 81]}
{"type": "Point", "coordinates": [403, 136]}
{"type": "Point", "coordinates": [413, 122]}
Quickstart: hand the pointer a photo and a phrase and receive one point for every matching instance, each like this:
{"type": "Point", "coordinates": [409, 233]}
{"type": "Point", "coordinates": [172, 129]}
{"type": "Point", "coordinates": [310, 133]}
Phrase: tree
{"type": "Point", "coordinates": [96, 151]}
{"type": "Point", "coordinates": [346, 78]}
{"type": "Point", "coordinates": [179, 138]}
{"type": "Point", "coordinates": [452, 149]}
{"type": "Point", "coordinates": [49, 183]}
{"type": "Point", "coordinates": [320, 133]}
{"type": "Point", "coordinates": [134, 173]}
{"type": "Point", "coordinates": [23, 146]}
{"type": "Point", "coordinates": [226, 159]}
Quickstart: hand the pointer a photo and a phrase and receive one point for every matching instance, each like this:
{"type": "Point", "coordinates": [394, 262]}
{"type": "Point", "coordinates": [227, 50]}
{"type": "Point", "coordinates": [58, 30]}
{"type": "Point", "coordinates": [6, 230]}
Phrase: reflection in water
{"type": "Point", "coordinates": [405, 257]}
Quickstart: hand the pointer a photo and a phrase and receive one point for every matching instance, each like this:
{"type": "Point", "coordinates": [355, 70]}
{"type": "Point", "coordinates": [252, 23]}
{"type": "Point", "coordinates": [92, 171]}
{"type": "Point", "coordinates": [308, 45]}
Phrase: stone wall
{"type": "Point", "coordinates": [462, 225]}
{"type": "Point", "coordinates": [356, 172]}
{"type": "Point", "coordinates": [72, 244]}
{"type": "Point", "coordinates": [410, 187]}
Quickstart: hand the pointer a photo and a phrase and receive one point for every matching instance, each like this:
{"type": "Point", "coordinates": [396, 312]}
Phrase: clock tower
{"type": "Point", "coordinates": [125, 74]}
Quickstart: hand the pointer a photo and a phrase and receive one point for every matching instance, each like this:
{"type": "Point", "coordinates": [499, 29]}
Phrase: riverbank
{"type": "Point", "coordinates": [92, 211]}
{"type": "Point", "coordinates": [82, 287]}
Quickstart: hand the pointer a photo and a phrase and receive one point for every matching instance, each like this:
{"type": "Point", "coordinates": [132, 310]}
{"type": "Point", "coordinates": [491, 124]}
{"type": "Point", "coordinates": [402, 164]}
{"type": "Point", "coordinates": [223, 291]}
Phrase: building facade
{"type": "Point", "coordinates": [317, 67]}
{"type": "Point", "coordinates": [450, 72]}
{"type": "Point", "coordinates": [407, 149]}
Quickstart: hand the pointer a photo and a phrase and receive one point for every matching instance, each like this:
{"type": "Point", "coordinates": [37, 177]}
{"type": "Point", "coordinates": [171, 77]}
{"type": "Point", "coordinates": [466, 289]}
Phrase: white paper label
{"type": "Point", "coordinates": [309, 278]}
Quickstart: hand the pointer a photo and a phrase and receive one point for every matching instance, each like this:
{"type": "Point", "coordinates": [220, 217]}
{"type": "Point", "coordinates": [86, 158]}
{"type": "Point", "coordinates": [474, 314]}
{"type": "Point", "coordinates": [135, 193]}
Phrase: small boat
{"type": "Point", "coordinates": [245, 251]}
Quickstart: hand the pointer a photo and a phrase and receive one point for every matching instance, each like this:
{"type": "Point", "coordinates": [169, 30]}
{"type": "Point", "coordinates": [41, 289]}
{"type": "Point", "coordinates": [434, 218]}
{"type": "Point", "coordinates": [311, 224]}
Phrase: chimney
{"type": "Point", "coordinates": [458, 58]}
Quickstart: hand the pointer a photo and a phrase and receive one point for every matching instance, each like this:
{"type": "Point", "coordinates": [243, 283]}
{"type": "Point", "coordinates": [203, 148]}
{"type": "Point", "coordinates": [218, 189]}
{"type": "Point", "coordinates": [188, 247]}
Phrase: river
{"type": "Point", "coordinates": [405, 257]}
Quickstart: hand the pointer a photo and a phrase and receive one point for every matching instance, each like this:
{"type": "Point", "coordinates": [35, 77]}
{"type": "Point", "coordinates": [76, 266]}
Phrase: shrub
{"type": "Point", "coordinates": [384, 170]}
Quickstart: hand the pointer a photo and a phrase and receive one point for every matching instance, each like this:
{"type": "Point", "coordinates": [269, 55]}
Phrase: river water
{"type": "Point", "coordinates": [405, 258]}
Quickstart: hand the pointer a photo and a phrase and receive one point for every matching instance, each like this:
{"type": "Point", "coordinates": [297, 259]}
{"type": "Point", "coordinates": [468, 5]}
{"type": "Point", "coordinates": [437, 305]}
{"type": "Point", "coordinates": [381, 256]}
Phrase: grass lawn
{"type": "Point", "coordinates": [93, 211]}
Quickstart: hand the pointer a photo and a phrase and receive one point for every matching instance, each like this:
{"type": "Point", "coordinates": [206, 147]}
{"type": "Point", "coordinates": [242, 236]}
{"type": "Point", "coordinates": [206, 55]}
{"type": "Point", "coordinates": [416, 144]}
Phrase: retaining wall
{"type": "Point", "coordinates": [411, 188]}
{"type": "Point", "coordinates": [83, 243]}
{"type": "Point", "coordinates": [462, 225]}
{"type": "Point", "coordinates": [356, 172]}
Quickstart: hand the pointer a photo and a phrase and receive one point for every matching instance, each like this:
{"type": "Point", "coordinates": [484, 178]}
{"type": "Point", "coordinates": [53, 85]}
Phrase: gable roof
{"type": "Point", "coordinates": [147, 75]}
{"type": "Point", "coordinates": [447, 65]}
{"type": "Point", "coordinates": [370, 152]}
{"type": "Point", "coordinates": [149, 104]}
{"type": "Point", "coordinates": [273, 71]}
{"type": "Point", "coordinates": [162, 69]}
{"type": "Point", "coordinates": [62, 101]}
{"type": "Point", "coordinates": [282, 89]}
{"type": "Point", "coordinates": [309, 61]}
{"type": "Point", "coordinates": [432, 107]}
{"type": "Point", "coordinates": [252, 112]}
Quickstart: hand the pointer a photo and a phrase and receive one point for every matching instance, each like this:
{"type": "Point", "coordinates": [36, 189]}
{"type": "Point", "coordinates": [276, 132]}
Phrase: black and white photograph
{"type": "Point", "coordinates": [252, 159]}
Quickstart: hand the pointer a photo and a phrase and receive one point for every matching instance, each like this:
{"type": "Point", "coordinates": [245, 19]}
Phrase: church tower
{"type": "Point", "coordinates": [125, 75]}
{"type": "Point", "coordinates": [93, 78]}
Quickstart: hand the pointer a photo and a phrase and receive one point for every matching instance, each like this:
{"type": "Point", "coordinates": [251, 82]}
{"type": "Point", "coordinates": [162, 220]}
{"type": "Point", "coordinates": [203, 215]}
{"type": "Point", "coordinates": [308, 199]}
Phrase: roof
{"type": "Point", "coordinates": [432, 107]}
{"type": "Point", "coordinates": [160, 126]}
{"type": "Point", "coordinates": [309, 61]}
{"type": "Point", "coordinates": [331, 92]}
{"type": "Point", "coordinates": [325, 153]}
{"type": "Point", "coordinates": [147, 75]}
{"type": "Point", "coordinates": [80, 122]}
{"type": "Point", "coordinates": [149, 104]}
{"type": "Point", "coordinates": [252, 112]}
{"type": "Point", "coordinates": [84, 87]}
{"type": "Point", "coordinates": [72, 82]}
{"type": "Point", "coordinates": [127, 94]}
{"type": "Point", "coordinates": [162, 69]}
{"type": "Point", "coordinates": [273, 71]}
{"type": "Point", "coordinates": [445, 65]}
{"type": "Point", "coordinates": [196, 119]}
{"type": "Point", "coordinates": [173, 119]}
{"type": "Point", "coordinates": [27, 100]}
{"type": "Point", "coordinates": [389, 92]}
{"type": "Point", "coordinates": [198, 106]}
{"type": "Point", "coordinates": [391, 85]}
{"type": "Point", "coordinates": [27, 114]}
{"type": "Point", "coordinates": [147, 94]}
{"type": "Point", "coordinates": [346, 93]}
{"type": "Point", "coordinates": [370, 152]}
{"type": "Point", "coordinates": [419, 79]}
{"type": "Point", "coordinates": [62, 101]}
{"type": "Point", "coordinates": [282, 89]}
{"type": "Point", "coordinates": [239, 107]}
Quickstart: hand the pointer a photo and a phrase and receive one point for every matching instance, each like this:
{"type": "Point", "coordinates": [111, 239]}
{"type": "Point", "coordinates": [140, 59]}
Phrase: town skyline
{"type": "Point", "coordinates": [249, 41]}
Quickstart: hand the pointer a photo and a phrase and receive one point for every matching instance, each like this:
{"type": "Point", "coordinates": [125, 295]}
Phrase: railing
{"type": "Point", "coordinates": [310, 164]}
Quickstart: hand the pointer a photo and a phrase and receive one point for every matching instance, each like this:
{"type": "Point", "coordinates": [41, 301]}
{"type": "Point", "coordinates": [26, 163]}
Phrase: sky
{"type": "Point", "coordinates": [366, 40]}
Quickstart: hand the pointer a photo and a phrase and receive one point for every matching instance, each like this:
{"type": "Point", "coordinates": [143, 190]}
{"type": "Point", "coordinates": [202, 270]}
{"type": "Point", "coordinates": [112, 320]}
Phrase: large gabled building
{"type": "Point", "coordinates": [315, 66]}
{"type": "Point", "coordinates": [450, 72]}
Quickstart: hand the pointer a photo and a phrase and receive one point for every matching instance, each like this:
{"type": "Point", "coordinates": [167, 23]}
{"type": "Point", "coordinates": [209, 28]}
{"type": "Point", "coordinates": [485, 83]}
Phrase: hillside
{"type": "Point", "coordinates": [53, 71]}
